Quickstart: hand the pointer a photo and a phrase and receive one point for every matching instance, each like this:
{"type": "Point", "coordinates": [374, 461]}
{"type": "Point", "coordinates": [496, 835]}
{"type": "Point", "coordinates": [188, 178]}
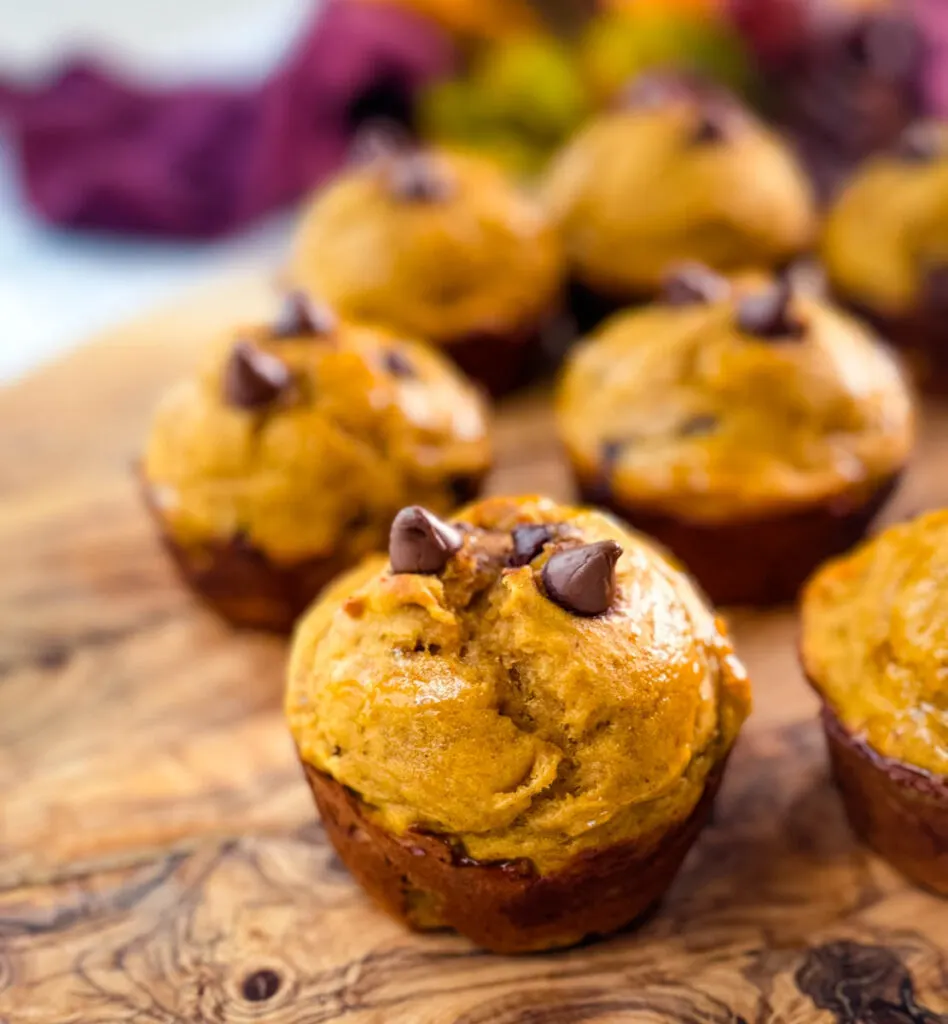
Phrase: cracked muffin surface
{"type": "Point", "coordinates": [749, 399]}
{"type": "Point", "coordinates": [875, 632]}
{"type": "Point", "coordinates": [885, 243]}
{"type": "Point", "coordinates": [304, 439]}
{"type": "Point", "coordinates": [438, 244]}
{"type": "Point", "coordinates": [473, 703]}
{"type": "Point", "coordinates": [678, 172]}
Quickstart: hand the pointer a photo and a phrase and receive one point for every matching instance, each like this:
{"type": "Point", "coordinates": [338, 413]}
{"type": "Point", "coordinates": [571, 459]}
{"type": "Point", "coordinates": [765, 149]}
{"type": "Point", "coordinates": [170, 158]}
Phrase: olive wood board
{"type": "Point", "coordinates": [160, 859]}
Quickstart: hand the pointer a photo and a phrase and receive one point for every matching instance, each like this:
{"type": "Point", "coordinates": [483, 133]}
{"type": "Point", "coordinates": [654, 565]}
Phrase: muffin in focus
{"type": "Point", "coordinates": [514, 726]}
{"type": "Point", "coordinates": [755, 431]}
{"type": "Point", "coordinates": [678, 171]}
{"type": "Point", "coordinates": [440, 246]}
{"type": "Point", "coordinates": [885, 247]}
{"type": "Point", "coordinates": [875, 632]}
{"type": "Point", "coordinates": [283, 460]}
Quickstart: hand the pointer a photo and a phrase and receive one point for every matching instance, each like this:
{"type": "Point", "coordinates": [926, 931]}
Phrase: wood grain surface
{"type": "Point", "coordinates": [159, 855]}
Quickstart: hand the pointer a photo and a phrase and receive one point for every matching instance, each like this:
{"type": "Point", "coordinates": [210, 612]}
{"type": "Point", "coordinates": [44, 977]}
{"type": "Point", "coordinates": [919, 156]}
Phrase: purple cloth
{"type": "Point", "coordinates": [199, 161]}
{"type": "Point", "coordinates": [933, 17]}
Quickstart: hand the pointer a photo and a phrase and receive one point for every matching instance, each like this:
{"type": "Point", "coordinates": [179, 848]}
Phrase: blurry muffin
{"type": "Point", "coordinates": [754, 431]}
{"type": "Point", "coordinates": [516, 725]}
{"type": "Point", "coordinates": [440, 246]}
{"type": "Point", "coordinates": [679, 171]}
{"type": "Point", "coordinates": [875, 632]}
{"type": "Point", "coordinates": [285, 458]}
{"type": "Point", "coordinates": [885, 247]}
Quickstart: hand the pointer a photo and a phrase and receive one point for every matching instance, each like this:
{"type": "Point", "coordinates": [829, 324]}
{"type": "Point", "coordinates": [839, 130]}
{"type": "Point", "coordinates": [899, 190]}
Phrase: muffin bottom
{"type": "Point", "coordinates": [250, 590]}
{"type": "Point", "coordinates": [503, 362]}
{"type": "Point", "coordinates": [762, 561]}
{"type": "Point", "coordinates": [427, 883]}
{"type": "Point", "coordinates": [897, 809]}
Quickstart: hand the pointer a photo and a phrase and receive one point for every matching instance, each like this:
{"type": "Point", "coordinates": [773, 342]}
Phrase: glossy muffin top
{"type": "Point", "coordinates": [875, 637]}
{"type": "Point", "coordinates": [306, 437]}
{"type": "Point", "coordinates": [548, 684]}
{"type": "Point", "coordinates": [735, 402]}
{"type": "Point", "coordinates": [437, 244]}
{"type": "Point", "coordinates": [676, 173]}
{"type": "Point", "coordinates": [886, 239]}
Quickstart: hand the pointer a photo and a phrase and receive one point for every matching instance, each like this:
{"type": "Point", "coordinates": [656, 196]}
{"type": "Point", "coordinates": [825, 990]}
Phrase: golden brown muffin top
{"type": "Point", "coordinates": [434, 243]}
{"type": "Point", "coordinates": [471, 701]}
{"type": "Point", "coordinates": [749, 400]}
{"type": "Point", "coordinates": [889, 228]}
{"type": "Point", "coordinates": [677, 173]}
{"type": "Point", "coordinates": [309, 435]}
{"type": "Point", "coordinates": [875, 641]}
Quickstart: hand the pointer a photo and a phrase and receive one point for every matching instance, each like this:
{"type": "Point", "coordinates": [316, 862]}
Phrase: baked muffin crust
{"type": "Point", "coordinates": [305, 442]}
{"type": "Point", "coordinates": [875, 632]}
{"type": "Point", "coordinates": [472, 704]}
{"type": "Point", "coordinates": [711, 412]}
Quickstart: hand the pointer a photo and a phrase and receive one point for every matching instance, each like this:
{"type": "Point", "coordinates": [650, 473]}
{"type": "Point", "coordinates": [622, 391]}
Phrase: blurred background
{"type": "Point", "coordinates": [148, 146]}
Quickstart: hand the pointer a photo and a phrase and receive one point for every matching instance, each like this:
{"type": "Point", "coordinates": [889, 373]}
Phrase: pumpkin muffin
{"type": "Point", "coordinates": [753, 429]}
{"type": "Point", "coordinates": [283, 461]}
{"type": "Point", "coordinates": [875, 632]}
{"type": "Point", "coordinates": [885, 247]}
{"type": "Point", "coordinates": [678, 171]}
{"type": "Point", "coordinates": [440, 246]}
{"type": "Point", "coordinates": [515, 725]}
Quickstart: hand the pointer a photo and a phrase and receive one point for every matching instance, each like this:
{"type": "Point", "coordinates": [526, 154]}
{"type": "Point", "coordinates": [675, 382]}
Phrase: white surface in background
{"type": "Point", "coordinates": [57, 288]}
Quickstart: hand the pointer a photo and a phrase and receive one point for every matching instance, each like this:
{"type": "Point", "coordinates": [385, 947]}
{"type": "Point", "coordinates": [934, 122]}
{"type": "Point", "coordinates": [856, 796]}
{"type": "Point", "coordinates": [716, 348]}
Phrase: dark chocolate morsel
{"type": "Point", "coordinates": [767, 314]}
{"type": "Point", "coordinates": [417, 177]}
{"type": "Point", "coordinates": [920, 143]}
{"type": "Point", "coordinates": [600, 490]}
{"type": "Point", "coordinates": [699, 426]}
{"type": "Point", "coordinates": [398, 364]}
{"type": "Point", "coordinates": [692, 284]}
{"type": "Point", "coordinates": [299, 316]}
{"type": "Point", "coordinates": [528, 542]}
{"type": "Point", "coordinates": [419, 542]}
{"type": "Point", "coordinates": [582, 580]}
{"type": "Point", "coordinates": [712, 126]}
{"type": "Point", "coordinates": [254, 379]}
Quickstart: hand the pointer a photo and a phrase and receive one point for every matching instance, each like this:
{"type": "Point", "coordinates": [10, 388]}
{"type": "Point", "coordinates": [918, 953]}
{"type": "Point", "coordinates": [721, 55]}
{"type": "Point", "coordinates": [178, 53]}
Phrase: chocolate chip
{"type": "Point", "coordinates": [418, 178]}
{"type": "Point", "coordinates": [528, 542]}
{"type": "Point", "coordinates": [398, 364]}
{"type": "Point", "coordinates": [767, 314]}
{"type": "Point", "coordinates": [692, 284]}
{"type": "Point", "coordinates": [254, 379]}
{"type": "Point", "coordinates": [260, 986]}
{"type": "Point", "coordinates": [420, 542]}
{"type": "Point", "coordinates": [699, 426]}
{"type": "Point", "coordinates": [712, 126]}
{"type": "Point", "coordinates": [299, 317]}
{"type": "Point", "coordinates": [583, 580]}
{"type": "Point", "coordinates": [599, 491]}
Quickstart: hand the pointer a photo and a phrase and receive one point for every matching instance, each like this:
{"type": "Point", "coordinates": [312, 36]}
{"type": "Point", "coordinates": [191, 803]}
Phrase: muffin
{"type": "Point", "coordinates": [885, 247]}
{"type": "Point", "coordinates": [678, 171]}
{"type": "Point", "coordinates": [875, 631]}
{"type": "Point", "coordinates": [440, 246]}
{"type": "Point", "coordinates": [515, 725]}
{"type": "Point", "coordinates": [283, 461]}
{"type": "Point", "coordinates": [753, 429]}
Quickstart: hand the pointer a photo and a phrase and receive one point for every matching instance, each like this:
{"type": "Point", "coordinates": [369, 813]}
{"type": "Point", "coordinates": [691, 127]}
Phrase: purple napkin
{"type": "Point", "coordinates": [198, 161]}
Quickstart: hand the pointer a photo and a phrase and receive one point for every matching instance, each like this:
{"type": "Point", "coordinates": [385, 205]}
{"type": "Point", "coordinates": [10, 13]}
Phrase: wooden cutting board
{"type": "Point", "coordinates": [159, 854]}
